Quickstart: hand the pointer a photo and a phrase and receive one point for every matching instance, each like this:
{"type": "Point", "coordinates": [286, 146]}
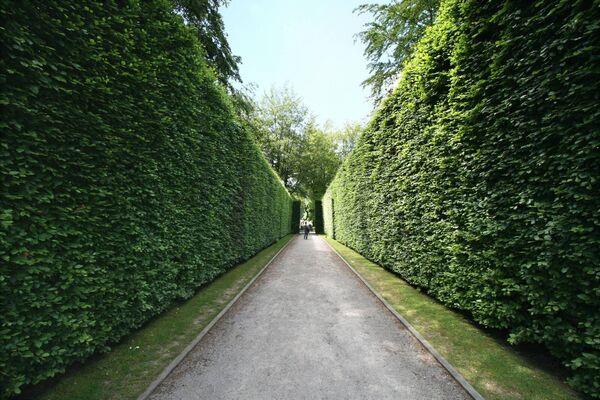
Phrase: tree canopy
{"type": "Point", "coordinates": [305, 154]}
{"type": "Point", "coordinates": [281, 120]}
{"type": "Point", "coordinates": [390, 37]}
{"type": "Point", "coordinates": [319, 162]}
{"type": "Point", "coordinates": [346, 138]}
{"type": "Point", "coordinates": [205, 17]}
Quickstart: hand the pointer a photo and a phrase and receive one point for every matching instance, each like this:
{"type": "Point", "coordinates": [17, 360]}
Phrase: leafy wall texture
{"type": "Point", "coordinates": [126, 181]}
{"type": "Point", "coordinates": [477, 178]}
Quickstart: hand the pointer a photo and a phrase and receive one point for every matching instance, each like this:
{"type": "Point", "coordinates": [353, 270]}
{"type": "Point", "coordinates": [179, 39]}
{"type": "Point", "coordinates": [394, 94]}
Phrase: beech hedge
{"type": "Point", "coordinates": [478, 178]}
{"type": "Point", "coordinates": [126, 181]}
{"type": "Point", "coordinates": [296, 216]}
{"type": "Point", "coordinates": [318, 207]}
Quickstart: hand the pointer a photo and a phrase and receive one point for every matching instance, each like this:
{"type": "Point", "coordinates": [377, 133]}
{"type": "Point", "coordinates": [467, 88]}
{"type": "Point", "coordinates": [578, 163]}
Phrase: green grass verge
{"type": "Point", "coordinates": [493, 368]}
{"type": "Point", "coordinates": [126, 371]}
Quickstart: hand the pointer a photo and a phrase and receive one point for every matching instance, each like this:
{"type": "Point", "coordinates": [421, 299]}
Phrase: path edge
{"type": "Point", "coordinates": [447, 366]}
{"type": "Point", "coordinates": [169, 368]}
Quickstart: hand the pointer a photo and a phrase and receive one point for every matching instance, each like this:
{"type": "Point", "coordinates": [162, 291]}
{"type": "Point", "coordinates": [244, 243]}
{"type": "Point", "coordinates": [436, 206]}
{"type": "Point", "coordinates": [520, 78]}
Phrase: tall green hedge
{"type": "Point", "coordinates": [126, 181]}
{"type": "Point", "coordinates": [296, 215]}
{"type": "Point", "coordinates": [478, 178]}
{"type": "Point", "coordinates": [328, 205]}
{"type": "Point", "coordinates": [318, 207]}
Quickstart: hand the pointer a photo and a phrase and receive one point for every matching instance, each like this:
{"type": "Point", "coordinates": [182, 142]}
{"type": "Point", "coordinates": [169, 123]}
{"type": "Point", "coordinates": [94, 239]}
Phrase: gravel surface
{"type": "Point", "coordinates": [308, 329]}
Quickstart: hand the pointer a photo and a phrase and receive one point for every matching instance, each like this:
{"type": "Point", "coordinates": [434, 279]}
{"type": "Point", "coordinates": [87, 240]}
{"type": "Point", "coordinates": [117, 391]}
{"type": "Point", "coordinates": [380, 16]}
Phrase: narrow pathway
{"type": "Point", "coordinates": [308, 329]}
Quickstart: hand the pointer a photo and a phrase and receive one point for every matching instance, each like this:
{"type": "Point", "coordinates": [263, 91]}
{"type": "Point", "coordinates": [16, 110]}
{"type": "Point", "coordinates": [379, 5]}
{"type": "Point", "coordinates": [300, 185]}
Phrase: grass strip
{"type": "Point", "coordinates": [493, 368]}
{"type": "Point", "coordinates": [126, 371]}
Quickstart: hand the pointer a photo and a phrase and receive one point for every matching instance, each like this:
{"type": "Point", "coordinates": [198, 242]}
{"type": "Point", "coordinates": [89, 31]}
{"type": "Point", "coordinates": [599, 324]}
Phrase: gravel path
{"type": "Point", "coordinates": [308, 329]}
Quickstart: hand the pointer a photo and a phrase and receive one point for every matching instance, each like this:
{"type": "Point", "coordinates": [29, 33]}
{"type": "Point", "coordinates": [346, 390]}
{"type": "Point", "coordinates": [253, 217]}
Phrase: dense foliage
{"type": "Point", "coordinates": [126, 181]}
{"type": "Point", "coordinates": [318, 207]}
{"type": "Point", "coordinates": [478, 178]}
{"type": "Point", "coordinates": [297, 212]}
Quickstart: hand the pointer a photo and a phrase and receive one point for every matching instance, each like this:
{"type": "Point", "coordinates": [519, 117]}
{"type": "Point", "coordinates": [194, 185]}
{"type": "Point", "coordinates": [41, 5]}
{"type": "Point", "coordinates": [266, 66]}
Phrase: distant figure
{"type": "Point", "coordinates": [306, 231]}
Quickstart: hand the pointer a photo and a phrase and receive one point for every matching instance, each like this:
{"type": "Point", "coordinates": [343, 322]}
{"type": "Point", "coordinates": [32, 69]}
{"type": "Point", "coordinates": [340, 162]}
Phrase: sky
{"type": "Point", "coordinates": [308, 45]}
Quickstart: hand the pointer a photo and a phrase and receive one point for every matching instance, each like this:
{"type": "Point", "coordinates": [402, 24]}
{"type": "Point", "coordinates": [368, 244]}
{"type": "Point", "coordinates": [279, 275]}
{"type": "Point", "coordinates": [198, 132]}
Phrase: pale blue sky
{"type": "Point", "coordinates": [308, 44]}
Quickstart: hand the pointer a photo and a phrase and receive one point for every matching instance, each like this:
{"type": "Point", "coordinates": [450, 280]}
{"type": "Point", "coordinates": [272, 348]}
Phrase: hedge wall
{"type": "Point", "coordinates": [318, 207]}
{"type": "Point", "coordinates": [126, 181]}
{"type": "Point", "coordinates": [327, 203]}
{"type": "Point", "coordinates": [478, 178]}
{"type": "Point", "coordinates": [296, 216]}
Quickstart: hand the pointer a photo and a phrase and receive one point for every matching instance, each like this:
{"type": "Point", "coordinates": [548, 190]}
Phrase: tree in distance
{"type": "Point", "coordinates": [305, 154]}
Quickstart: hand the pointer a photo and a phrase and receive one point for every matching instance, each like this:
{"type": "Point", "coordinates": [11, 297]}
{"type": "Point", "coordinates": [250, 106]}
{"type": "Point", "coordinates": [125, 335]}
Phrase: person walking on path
{"type": "Point", "coordinates": [306, 231]}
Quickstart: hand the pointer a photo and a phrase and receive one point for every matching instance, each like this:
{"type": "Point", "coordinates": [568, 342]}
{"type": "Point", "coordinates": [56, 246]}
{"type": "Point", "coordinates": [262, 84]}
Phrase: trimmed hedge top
{"type": "Point", "coordinates": [478, 178]}
{"type": "Point", "coordinates": [126, 181]}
